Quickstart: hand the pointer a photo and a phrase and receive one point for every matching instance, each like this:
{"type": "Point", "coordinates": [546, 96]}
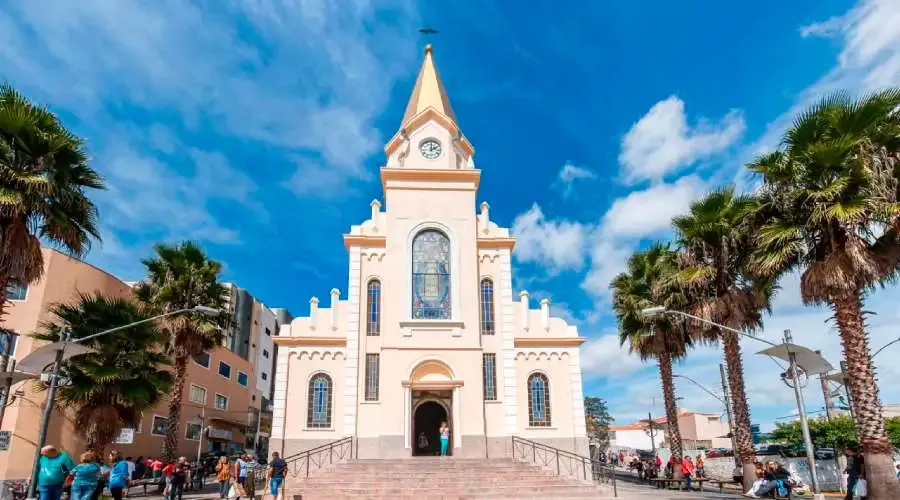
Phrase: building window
{"type": "Point", "coordinates": [319, 408]}
{"type": "Point", "coordinates": [431, 275]}
{"type": "Point", "coordinates": [202, 360]}
{"type": "Point", "coordinates": [242, 379]}
{"type": "Point", "coordinates": [489, 370]}
{"type": "Point", "coordinates": [198, 394]}
{"type": "Point", "coordinates": [263, 375]}
{"type": "Point", "coordinates": [8, 342]}
{"type": "Point", "coordinates": [225, 370]}
{"type": "Point", "coordinates": [538, 400]}
{"type": "Point", "coordinates": [372, 377]}
{"type": "Point", "coordinates": [373, 319]}
{"type": "Point", "coordinates": [16, 291]}
{"type": "Point", "coordinates": [221, 402]}
{"type": "Point", "coordinates": [265, 354]}
{"type": "Point", "coordinates": [487, 307]}
{"type": "Point", "coordinates": [192, 431]}
{"type": "Point", "coordinates": [159, 425]}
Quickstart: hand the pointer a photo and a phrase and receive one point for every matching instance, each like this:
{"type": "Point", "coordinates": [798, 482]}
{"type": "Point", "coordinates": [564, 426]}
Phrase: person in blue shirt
{"type": "Point", "coordinates": [118, 475]}
{"type": "Point", "coordinates": [54, 466]}
{"type": "Point", "coordinates": [276, 473]}
{"type": "Point", "coordinates": [86, 475]}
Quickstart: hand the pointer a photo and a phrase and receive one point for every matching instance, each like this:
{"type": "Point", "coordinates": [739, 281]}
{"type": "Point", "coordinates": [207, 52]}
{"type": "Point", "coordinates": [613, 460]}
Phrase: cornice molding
{"type": "Point", "coordinates": [548, 342]}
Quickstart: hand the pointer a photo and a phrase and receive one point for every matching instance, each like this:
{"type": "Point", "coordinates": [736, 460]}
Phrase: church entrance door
{"type": "Point", "coordinates": [427, 423]}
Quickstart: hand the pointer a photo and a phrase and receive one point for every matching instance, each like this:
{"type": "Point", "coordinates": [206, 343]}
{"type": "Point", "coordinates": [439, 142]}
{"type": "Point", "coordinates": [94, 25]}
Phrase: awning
{"type": "Point", "coordinates": [807, 359]}
{"type": "Point", "coordinates": [39, 359]}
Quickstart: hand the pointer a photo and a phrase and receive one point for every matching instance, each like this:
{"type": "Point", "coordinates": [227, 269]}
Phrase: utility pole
{"type": "Point", "coordinates": [727, 399]}
{"type": "Point", "coordinates": [650, 424]}
{"type": "Point", "coordinates": [844, 369]}
{"type": "Point", "coordinates": [202, 429]}
{"type": "Point", "coordinates": [826, 395]}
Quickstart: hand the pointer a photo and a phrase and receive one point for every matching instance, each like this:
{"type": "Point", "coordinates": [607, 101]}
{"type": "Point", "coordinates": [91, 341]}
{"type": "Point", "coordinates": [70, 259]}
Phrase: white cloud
{"type": "Point", "coordinates": [662, 142]}
{"type": "Point", "coordinates": [557, 245]}
{"type": "Point", "coordinates": [569, 174]}
{"type": "Point", "coordinates": [602, 356]}
{"type": "Point", "coordinates": [869, 60]}
{"type": "Point", "coordinates": [311, 80]}
{"type": "Point", "coordinates": [648, 212]}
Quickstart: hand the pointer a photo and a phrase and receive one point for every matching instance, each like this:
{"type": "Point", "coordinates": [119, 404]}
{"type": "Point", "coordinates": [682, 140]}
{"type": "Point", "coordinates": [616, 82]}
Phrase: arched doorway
{"type": "Point", "coordinates": [427, 420]}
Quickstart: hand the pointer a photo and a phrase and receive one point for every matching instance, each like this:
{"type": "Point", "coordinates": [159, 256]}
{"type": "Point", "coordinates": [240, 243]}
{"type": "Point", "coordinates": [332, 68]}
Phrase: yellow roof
{"type": "Point", "coordinates": [428, 92]}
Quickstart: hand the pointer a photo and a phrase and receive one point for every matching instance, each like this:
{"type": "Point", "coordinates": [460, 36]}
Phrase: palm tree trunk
{"type": "Point", "coordinates": [873, 438]}
{"type": "Point", "coordinates": [743, 438]}
{"type": "Point", "coordinates": [668, 386]}
{"type": "Point", "coordinates": [170, 445]}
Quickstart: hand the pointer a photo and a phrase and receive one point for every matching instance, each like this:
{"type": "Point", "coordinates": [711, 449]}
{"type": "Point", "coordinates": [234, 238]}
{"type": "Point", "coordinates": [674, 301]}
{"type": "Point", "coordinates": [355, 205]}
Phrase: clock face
{"type": "Point", "coordinates": [430, 148]}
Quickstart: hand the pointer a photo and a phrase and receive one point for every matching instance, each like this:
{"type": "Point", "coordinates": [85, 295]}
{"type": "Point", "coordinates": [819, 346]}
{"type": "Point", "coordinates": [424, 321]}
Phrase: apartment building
{"type": "Point", "coordinates": [226, 401]}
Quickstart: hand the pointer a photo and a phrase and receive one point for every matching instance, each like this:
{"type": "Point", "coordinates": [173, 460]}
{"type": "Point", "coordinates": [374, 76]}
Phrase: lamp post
{"type": "Point", "coordinates": [788, 350]}
{"type": "Point", "coordinates": [54, 379]}
{"type": "Point", "coordinates": [724, 400]}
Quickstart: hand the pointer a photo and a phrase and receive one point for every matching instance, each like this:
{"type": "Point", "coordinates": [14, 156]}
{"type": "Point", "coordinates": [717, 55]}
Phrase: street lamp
{"type": "Point", "coordinates": [886, 346]}
{"type": "Point", "coordinates": [59, 348]}
{"type": "Point", "coordinates": [689, 379]}
{"type": "Point", "coordinates": [813, 363]}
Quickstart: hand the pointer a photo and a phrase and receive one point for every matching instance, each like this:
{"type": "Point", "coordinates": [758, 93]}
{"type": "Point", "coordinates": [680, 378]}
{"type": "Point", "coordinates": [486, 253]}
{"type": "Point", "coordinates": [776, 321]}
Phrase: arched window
{"type": "Point", "coordinates": [538, 400]}
{"type": "Point", "coordinates": [487, 307]}
{"type": "Point", "coordinates": [373, 320]}
{"type": "Point", "coordinates": [319, 410]}
{"type": "Point", "coordinates": [431, 275]}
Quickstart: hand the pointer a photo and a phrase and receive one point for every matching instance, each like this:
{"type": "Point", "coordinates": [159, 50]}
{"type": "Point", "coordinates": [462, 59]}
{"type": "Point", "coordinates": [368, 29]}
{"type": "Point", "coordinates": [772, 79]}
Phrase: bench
{"type": "Point", "coordinates": [668, 483]}
{"type": "Point", "coordinates": [158, 482]}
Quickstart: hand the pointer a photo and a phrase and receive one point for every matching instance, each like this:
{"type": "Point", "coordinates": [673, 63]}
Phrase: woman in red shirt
{"type": "Point", "coordinates": [687, 470]}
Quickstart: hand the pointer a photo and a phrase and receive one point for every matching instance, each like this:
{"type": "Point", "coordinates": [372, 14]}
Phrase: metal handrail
{"type": "Point", "coordinates": [545, 455]}
{"type": "Point", "coordinates": [316, 458]}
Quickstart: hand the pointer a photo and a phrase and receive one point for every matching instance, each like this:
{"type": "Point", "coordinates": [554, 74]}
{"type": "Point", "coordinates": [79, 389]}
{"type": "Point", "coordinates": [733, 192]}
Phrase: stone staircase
{"type": "Point", "coordinates": [436, 477]}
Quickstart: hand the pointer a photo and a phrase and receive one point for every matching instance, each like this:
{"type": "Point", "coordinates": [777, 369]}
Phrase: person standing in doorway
{"type": "Point", "coordinates": [445, 438]}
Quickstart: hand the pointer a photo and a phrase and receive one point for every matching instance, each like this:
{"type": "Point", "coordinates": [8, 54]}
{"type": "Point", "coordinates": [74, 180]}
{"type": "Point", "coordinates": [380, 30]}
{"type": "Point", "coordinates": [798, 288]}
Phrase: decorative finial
{"type": "Point", "coordinates": [428, 49]}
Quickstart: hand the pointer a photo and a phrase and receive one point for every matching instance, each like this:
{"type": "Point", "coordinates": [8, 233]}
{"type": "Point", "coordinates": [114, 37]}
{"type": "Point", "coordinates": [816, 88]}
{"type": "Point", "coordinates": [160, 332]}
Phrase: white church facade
{"type": "Point", "coordinates": [429, 330]}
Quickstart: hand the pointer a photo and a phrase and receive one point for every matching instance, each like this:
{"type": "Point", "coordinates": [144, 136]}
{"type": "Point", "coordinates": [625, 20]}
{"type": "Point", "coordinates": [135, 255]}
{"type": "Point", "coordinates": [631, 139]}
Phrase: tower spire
{"type": "Point", "coordinates": [428, 92]}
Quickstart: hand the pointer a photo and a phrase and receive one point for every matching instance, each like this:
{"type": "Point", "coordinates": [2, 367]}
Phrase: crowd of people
{"type": "Point", "coordinates": [59, 475]}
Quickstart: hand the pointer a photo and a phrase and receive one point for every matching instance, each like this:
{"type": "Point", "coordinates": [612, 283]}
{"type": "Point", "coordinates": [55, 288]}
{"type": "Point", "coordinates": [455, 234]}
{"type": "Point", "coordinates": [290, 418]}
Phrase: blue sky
{"type": "Point", "coordinates": [256, 128]}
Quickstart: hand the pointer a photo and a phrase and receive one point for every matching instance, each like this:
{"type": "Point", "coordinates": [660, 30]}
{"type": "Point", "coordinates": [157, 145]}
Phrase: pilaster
{"type": "Point", "coordinates": [351, 366]}
{"type": "Point", "coordinates": [507, 342]}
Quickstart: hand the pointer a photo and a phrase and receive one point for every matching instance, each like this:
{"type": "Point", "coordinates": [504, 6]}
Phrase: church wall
{"type": "Point", "coordinates": [290, 431]}
{"type": "Point", "coordinates": [563, 432]}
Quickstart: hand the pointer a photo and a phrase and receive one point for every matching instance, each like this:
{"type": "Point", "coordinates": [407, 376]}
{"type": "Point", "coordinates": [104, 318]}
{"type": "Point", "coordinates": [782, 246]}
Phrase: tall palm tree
{"type": "Point", "coordinates": [44, 181]}
{"type": "Point", "coordinates": [715, 239]}
{"type": "Point", "coordinates": [647, 283]}
{"type": "Point", "coordinates": [126, 375]}
{"type": "Point", "coordinates": [830, 195]}
{"type": "Point", "coordinates": [182, 276]}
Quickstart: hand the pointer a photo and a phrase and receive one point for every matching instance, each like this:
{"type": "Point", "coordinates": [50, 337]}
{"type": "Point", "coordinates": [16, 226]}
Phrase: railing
{"type": "Point", "coordinates": [565, 463]}
{"type": "Point", "coordinates": [313, 459]}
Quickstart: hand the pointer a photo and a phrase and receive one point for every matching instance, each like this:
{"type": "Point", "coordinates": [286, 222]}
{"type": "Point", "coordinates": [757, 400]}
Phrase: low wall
{"type": "Point", "coordinates": [827, 470]}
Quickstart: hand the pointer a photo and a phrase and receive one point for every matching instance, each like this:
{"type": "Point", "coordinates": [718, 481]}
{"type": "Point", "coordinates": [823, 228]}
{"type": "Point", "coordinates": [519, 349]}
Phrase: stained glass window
{"type": "Point", "coordinates": [319, 409]}
{"type": "Point", "coordinates": [487, 307]}
{"type": "Point", "coordinates": [431, 275]}
{"type": "Point", "coordinates": [373, 321]}
{"type": "Point", "coordinates": [538, 400]}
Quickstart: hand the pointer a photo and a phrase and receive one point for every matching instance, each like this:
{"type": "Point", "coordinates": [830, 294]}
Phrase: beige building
{"type": "Point", "coordinates": [701, 430]}
{"type": "Point", "coordinates": [430, 329]}
{"type": "Point", "coordinates": [227, 388]}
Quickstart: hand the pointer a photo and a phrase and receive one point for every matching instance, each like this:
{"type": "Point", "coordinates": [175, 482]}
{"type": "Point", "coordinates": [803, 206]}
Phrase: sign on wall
{"type": "Point", "coordinates": [5, 436]}
{"type": "Point", "coordinates": [126, 436]}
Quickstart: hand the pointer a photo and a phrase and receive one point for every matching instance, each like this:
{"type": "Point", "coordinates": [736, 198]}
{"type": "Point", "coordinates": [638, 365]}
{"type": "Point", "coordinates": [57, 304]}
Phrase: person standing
{"type": "Point", "coordinates": [179, 478]}
{"type": "Point", "coordinates": [54, 466]}
{"type": "Point", "coordinates": [223, 476]}
{"type": "Point", "coordinates": [86, 476]}
{"type": "Point", "coordinates": [445, 438]}
{"type": "Point", "coordinates": [276, 474]}
{"type": "Point", "coordinates": [156, 466]}
{"type": "Point", "coordinates": [242, 468]}
{"type": "Point", "coordinates": [856, 469]}
{"type": "Point", "coordinates": [118, 475]}
{"type": "Point", "coordinates": [687, 470]}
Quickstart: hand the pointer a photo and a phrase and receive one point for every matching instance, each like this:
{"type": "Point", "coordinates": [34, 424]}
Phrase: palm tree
{"type": "Point", "coordinates": [647, 283]}
{"type": "Point", "coordinates": [44, 179]}
{"type": "Point", "coordinates": [182, 276]}
{"type": "Point", "coordinates": [715, 239]}
{"type": "Point", "coordinates": [830, 195]}
{"type": "Point", "coordinates": [126, 375]}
